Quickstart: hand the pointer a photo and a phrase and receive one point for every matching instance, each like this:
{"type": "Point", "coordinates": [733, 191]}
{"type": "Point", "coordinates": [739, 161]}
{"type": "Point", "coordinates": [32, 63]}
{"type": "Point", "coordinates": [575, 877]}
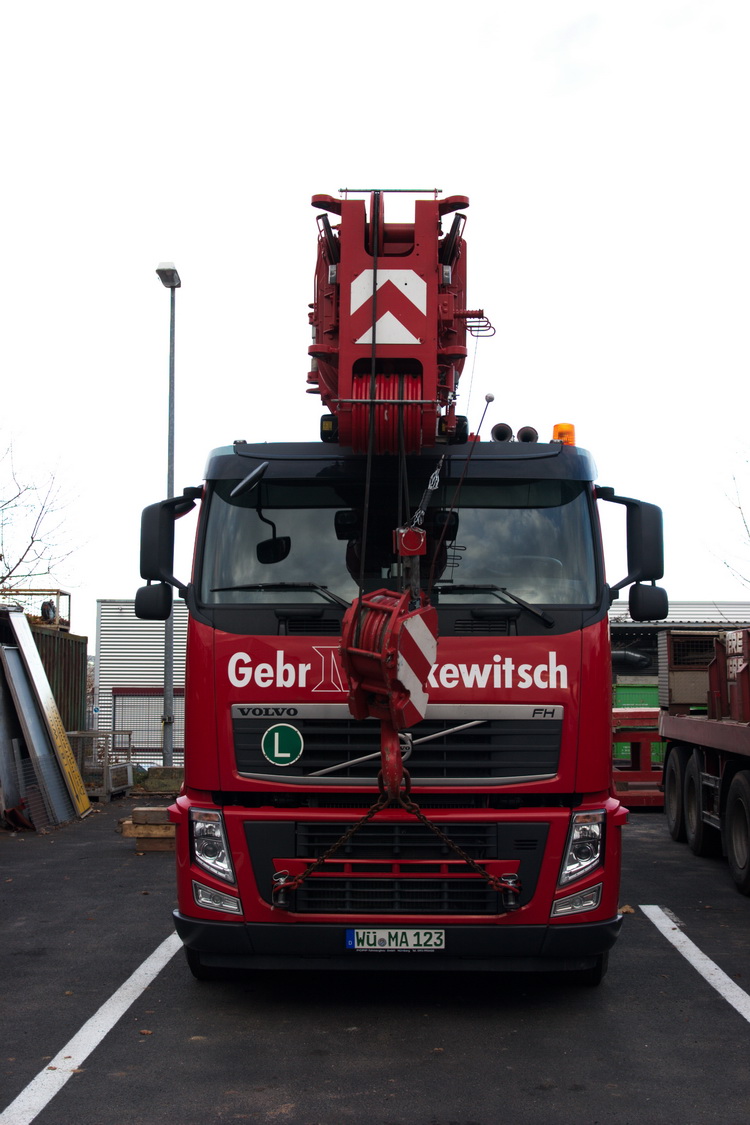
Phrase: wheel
{"type": "Point", "coordinates": [737, 830]}
{"type": "Point", "coordinates": [593, 977]}
{"type": "Point", "coordinates": [674, 785]}
{"type": "Point", "coordinates": [201, 971]}
{"type": "Point", "coordinates": [703, 839]}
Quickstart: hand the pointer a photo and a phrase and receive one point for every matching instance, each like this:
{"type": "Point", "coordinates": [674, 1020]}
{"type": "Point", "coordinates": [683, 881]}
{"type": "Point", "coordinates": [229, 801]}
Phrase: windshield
{"type": "Point", "coordinates": [303, 541]}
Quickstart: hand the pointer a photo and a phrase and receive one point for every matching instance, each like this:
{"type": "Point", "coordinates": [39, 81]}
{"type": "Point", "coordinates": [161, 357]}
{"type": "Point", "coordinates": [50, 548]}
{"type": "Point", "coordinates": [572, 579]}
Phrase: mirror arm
{"type": "Point", "coordinates": [635, 565]}
{"type": "Point", "coordinates": [627, 581]}
{"type": "Point", "coordinates": [180, 506]}
{"type": "Point", "coordinates": [185, 503]}
{"type": "Point", "coordinates": [606, 493]}
{"type": "Point", "coordinates": [631, 578]}
{"type": "Point", "coordinates": [603, 492]}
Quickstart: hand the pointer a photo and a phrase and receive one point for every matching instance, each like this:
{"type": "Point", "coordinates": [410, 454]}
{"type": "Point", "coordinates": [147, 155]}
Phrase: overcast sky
{"type": "Point", "coordinates": [604, 150]}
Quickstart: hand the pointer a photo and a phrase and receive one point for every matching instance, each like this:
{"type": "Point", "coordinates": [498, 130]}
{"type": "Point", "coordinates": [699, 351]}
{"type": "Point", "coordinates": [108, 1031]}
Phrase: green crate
{"type": "Point", "coordinates": [621, 752]}
{"type": "Point", "coordinates": [635, 695]}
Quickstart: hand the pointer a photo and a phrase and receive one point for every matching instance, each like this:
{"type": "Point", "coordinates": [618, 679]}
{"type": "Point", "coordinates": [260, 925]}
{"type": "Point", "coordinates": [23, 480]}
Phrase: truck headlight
{"type": "Point", "coordinates": [585, 846]}
{"type": "Point", "coordinates": [209, 843]}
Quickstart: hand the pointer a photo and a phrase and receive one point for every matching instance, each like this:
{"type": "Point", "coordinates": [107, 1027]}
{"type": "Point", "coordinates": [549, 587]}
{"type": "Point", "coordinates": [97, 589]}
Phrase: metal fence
{"type": "Point", "coordinates": [104, 760]}
{"type": "Point", "coordinates": [140, 711]}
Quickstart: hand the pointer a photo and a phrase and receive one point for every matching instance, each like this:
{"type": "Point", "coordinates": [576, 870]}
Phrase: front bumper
{"type": "Point", "coordinates": [484, 948]}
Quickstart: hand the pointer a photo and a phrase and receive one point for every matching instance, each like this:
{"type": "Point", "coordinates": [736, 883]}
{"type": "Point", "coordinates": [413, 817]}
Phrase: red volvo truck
{"type": "Point", "coordinates": [398, 685]}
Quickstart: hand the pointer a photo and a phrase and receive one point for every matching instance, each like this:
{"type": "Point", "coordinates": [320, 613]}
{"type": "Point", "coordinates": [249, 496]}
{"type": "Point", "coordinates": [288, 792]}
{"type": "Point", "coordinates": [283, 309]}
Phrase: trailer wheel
{"type": "Point", "coordinates": [703, 839]}
{"type": "Point", "coordinates": [674, 786]}
{"type": "Point", "coordinates": [738, 830]}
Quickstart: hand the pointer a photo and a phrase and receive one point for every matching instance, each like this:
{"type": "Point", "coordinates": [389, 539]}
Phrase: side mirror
{"type": "Point", "coordinates": [157, 542]}
{"type": "Point", "coordinates": [445, 523]}
{"type": "Point", "coordinates": [273, 550]}
{"type": "Point", "coordinates": [645, 535]}
{"type": "Point", "coordinates": [347, 524]}
{"type": "Point", "coordinates": [153, 603]}
{"type": "Point", "coordinates": [157, 537]}
{"type": "Point", "coordinates": [645, 542]}
{"type": "Point", "coordinates": [648, 603]}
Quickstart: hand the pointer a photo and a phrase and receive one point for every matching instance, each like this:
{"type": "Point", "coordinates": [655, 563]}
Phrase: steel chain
{"type": "Point", "coordinates": [405, 802]}
{"type": "Point", "coordinates": [418, 518]}
{"type": "Point", "coordinates": [496, 884]}
{"type": "Point", "coordinates": [381, 803]}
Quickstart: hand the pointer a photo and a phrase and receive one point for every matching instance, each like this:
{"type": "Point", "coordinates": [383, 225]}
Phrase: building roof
{"type": "Point", "coordinates": [722, 614]}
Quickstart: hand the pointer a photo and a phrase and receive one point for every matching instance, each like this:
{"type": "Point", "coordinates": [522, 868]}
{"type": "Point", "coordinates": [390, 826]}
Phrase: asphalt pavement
{"type": "Point", "coordinates": [80, 911]}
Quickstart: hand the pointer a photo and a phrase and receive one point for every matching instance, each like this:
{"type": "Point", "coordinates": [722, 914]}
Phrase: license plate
{"type": "Point", "coordinates": [395, 941]}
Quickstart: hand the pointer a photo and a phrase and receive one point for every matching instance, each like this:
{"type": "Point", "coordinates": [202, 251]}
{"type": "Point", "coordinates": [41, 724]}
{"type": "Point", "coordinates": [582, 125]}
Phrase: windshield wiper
{"type": "Point", "coordinates": [276, 586]}
{"type": "Point", "coordinates": [540, 613]}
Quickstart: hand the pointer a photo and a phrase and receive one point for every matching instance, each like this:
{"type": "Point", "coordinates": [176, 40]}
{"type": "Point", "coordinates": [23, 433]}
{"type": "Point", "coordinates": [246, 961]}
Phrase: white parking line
{"type": "Point", "coordinates": [32, 1100]}
{"type": "Point", "coordinates": [710, 972]}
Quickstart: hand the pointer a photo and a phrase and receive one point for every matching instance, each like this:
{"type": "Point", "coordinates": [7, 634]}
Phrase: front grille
{"type": "Point", "coordinates": [396, 896]}
{"type": "Point", "coordinates": [325, 799]}
{"type": "Point", "coordinates": [394, 841]}
{"type": "Point", "coordinates": [496, 749]}
{"type": "Point", "coordinates": [396, 867]}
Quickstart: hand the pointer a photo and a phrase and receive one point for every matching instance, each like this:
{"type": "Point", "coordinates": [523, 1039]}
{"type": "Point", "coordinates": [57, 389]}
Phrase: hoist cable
{"type": "Point", "coordinates": [454, 502]}
{"type": "Point", "coordinates": [375, 235]}
{"type": "Point", "coordinates": [403, 478]}
{"type": "Point", "coordinates": [471, 377]}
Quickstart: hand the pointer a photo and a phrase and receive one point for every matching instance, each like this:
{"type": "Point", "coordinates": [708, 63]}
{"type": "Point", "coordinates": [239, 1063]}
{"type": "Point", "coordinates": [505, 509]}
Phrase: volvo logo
{"type": "Point", "coordinates": [265, 712]}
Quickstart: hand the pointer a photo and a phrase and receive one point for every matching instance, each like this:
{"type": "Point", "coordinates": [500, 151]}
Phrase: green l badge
{"type": "Point", "coordinates": [282, 744]}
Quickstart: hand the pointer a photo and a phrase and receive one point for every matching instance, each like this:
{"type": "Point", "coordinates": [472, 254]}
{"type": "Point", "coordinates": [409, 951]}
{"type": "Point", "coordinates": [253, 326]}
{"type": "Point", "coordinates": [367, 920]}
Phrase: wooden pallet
{"type": "Point", "coordinates": [151, 830]}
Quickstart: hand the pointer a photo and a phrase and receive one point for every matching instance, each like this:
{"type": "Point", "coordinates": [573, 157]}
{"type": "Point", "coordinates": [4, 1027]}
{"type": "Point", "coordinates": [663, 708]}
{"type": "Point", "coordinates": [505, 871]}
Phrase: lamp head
{"type": "Point", "coordinates": [170, 278]}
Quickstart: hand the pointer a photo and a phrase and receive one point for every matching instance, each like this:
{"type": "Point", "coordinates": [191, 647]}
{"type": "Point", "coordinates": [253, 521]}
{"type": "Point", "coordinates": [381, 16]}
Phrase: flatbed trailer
{"type": "Point", "coordinates": [707, 762]}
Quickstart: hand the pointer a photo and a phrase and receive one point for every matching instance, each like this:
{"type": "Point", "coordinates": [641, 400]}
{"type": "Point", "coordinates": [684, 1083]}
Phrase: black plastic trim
{"type": "Point", "coordinates": [513, 459]}
{"type": "Point", "coordinates": [489, 948]}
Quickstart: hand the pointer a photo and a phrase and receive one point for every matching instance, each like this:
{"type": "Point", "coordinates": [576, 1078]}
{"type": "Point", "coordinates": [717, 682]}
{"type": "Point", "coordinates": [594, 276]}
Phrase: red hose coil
{"type": "Point", "coordinates": [393, 389]}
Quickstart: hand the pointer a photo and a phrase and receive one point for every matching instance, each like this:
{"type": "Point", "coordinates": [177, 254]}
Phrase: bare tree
{"type": "Point", "coordinates": [30, 526]}
{"type": "Point", "coordinates": [736, 501]}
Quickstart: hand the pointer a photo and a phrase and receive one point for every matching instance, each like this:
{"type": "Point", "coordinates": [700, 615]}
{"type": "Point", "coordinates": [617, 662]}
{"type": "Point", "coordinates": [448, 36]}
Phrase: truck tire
{"type": "Point", "coordinates": [201, 971]}
{"type": "Point", "coordinates": [674, 788]}
{"type": "Point", "coordinates": [703, 839]}
{"type": "Point", "coordinates": [592, 978]}
{"type": "Point", "coordinates": [737, 830]}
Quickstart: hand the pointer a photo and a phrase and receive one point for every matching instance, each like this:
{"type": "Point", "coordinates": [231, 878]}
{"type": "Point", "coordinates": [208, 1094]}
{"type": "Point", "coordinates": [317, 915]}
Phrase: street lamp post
{"type": "Point", "coordinates": [171, 279]}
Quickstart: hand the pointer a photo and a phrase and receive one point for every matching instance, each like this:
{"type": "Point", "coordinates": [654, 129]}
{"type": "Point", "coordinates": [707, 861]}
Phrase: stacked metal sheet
{"type": "Point", "coordinates": [38, 771]}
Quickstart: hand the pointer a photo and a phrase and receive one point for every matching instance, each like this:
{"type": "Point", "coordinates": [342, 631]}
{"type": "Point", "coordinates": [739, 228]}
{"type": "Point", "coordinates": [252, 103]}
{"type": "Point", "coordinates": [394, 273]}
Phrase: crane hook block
{"type": "Point", "coordinates": [387, 652]}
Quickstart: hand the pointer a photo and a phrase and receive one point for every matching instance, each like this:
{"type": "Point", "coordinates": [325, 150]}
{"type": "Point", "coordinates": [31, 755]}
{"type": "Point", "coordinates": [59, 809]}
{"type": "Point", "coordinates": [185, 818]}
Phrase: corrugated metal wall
{"type": "Point", "coordinates": [131, 652]}
{"type": "Point", "coordinates": [64, 658]}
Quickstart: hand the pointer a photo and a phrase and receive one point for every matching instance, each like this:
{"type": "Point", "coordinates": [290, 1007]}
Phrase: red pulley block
{"type": "Point", "coordinates": [387, 651]}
